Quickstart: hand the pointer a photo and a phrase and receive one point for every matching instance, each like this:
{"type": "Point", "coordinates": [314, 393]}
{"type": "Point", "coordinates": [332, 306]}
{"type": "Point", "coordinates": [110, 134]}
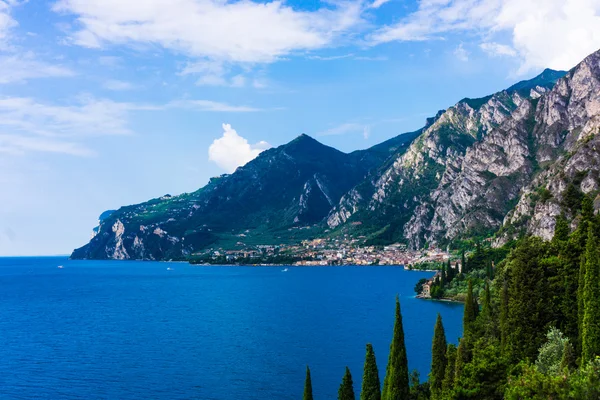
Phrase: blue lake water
{"type": "Point", "coordinates": [136, 330]}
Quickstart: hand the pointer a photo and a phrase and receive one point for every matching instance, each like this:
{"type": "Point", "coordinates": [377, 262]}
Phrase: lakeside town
{"type": "Point", "coordinates": [344, 251]}
{"type": "Point", "coordinates": [325, 251]}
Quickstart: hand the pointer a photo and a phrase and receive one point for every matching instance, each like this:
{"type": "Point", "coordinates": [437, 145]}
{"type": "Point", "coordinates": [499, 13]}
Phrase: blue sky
{"type": "Point", "coordinates": [105, 103]}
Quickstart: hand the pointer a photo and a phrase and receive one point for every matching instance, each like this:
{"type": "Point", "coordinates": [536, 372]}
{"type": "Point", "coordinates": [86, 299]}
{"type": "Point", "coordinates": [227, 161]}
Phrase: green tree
{"type": "Point", "coordinates": [443, 276]}
{"type": "Point", "coordinates": [528, 301]}
{"type": "Point", "coordinates": [568, 361]}
{"type": "Point", "coordinates": [461, 360]}
{"type": "Point", "coordinates": [448, 383]}
{"type": "Point", "coordinates": [371, 387]}
{"type": "Point", "coordinates": [485, 375]}
{"type": "Point", "coordinates": [346, 390]}
{"type": "Point", "coordinates": [551, 353]}
{"type": "Point", "coordinates": [470, 312]}
{"type": "Point", "coordinates": [395, 384]}
{"type": "Point", "coordinates": [561, 229]}
{"type": "Point", "coordinates": [463, 263]}
{"type": "Point", "coordinates": [308, 395]}
{"type": "Point", "coordinates": [418, 390]}
{"type": "Point", "coordinates": [591, 301]}
{"type": "Point", "coordinates": [438, 358]}
{"type": "Point", "coordinates": [531, 384]}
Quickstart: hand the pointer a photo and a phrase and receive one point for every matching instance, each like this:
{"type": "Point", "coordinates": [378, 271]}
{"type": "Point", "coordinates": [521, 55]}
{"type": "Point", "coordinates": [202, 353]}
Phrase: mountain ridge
{"type": "Point", "coordinates": [464, 174]}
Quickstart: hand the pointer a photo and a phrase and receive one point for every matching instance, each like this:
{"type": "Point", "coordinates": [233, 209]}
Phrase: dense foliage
{"type": "Point", "coordinates": [531, 325]}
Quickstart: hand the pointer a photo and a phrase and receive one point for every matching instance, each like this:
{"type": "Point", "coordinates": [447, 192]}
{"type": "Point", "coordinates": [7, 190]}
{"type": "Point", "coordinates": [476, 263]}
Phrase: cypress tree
{"type": "Point", "coordinates": [529, 300]}
{"type": "Point", "coordinates": [486, 322]}
{"type": "Point", "coordinates": [307, 386]}
{"type": "Point", "coordinates": [395, 384]}
{"type": "Point", "coordinates": [346, 391]}
{"type": "Point", "coordinates": [443, 276]}
{"type": "Point", "coordinates": [504, 315]}
{"type": "Point", "coordinates": [470, 312]}
{"type": "Point", "coordinates": [561, 229]}
{"type": "Point", "coordinates": [449, 374]}
{"type": "Point", "coordinates": [580, 295]}
{"type": "Point", "coordinates": [371, 387]}
{"type": "Point", "coordinates": [587, 209]}
{"type": "Point", "coordinates": [461, 360]}
{"type": "Point", "coordinates": [463, 263]}
{"type": "Point", "coordinates": [438, 358]}
{"type": "Point", "coordinates": [591, 301]}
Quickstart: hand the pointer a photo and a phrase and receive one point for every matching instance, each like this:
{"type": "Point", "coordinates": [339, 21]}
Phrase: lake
{"type": "Point", "coordinates": [150, 330]}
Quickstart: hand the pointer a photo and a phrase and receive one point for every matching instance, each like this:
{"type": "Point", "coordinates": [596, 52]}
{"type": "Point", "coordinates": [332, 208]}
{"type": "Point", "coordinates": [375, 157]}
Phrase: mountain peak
{"type": "Point", "coordinates": [547, 79]}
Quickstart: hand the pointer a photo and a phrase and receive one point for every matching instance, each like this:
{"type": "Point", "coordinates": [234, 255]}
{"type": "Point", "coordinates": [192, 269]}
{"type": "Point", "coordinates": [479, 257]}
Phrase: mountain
{"type": "Point", "coordinates": [265, 201]}
{"type": "Point", "coordinates": [496, 166]}
{"type": "Point", "coordinates": [492, 167]}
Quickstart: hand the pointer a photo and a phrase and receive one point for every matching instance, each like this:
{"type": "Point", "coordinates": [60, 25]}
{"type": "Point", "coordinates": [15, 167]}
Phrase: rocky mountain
{"type": "Point", "coordinates": [505, 164]}
{"type": "Point", "coordinates": [265, 201]}
{"type": "Point", "coordinates": [497, 166]}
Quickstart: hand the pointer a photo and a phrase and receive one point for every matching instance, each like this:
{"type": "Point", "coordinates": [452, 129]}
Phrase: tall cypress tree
{"type": "Point", "coordinates": [438, 358]}
{"type": "Point", "coordinates": [443, 276]}
{"type": "Point", "coordinates": [463, 263]}
{"type": "Point", "coordinates": [528, 300]}
{"type": "Point", "coordinates": [346, 391]}
{"type": "Point", "coordinates": [307, 386]}
{"type": "Point", "coordinates": [486, 323]}
{"type": "Point", "coordinates": [371, 386]}
{"type": "Point", "coordinates": [461, 360]}
{"type": "Point", "coordinates": [449, 374]}
{"type": "Point", "coordinates": [470, 312]}
{"type": "Point", "coordinates": [591, 301]}
{"type": "Point", "coordinates": [504, 314]}
{"type": "Point", "coordinates": [581, 295]}
{"type": "Point", "coordinates": [395, 384]}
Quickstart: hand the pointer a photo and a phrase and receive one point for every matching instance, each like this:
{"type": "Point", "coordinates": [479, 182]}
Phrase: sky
{"type": "Point", "coordinates": [105, 103]}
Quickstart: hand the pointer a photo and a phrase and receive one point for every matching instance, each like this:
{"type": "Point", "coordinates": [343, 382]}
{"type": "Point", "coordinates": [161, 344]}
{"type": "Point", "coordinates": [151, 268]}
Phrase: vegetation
{"type": "Point", "coordinates": [531, 331]}
{"type": "Point", "coordinates": [371, 386]}
{"type": "Point", "coordinates": [308, 395]}
{"type": "Point", "coordinates": [395, 385]}
{"type": "Point", "coordinates": [346, 391]}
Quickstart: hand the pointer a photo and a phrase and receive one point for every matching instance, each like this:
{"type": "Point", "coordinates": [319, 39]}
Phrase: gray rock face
{"type": "Point", "coordinates": [498, 163]}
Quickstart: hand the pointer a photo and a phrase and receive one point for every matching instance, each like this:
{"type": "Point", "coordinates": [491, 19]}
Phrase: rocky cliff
{"type": "Point", "coordinates": [501, 164]}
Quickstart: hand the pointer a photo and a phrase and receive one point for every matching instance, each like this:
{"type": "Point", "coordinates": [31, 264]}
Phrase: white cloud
{"type": "Point", "coordinates": [117, 85]}
{"type": "Point", "coordinates": [544, 33]}
{"type": "Point", "coordinates": [6, 21]}
{"type": "Point", "coordinates": [214, 73]}
{"type": "Point", "coordinates": [30, 126]}
{"type": "Point", "coordinates": [461, 53]}
{"type": "Point", "coordinates": [27, 125]}
{"type": "Point", "coordinates": [16, 68]}
{"type": "Point", "coordinates": [232, 150]}
{"type": "Point", "coordinates": [497, 49]}
{"type": "Point", "coordinates": [378, 3]}
{"type": "Point", "coordinates": [232, 31]}
{"type": "Point", "coordinates": [18, 145]}
{"type": "Point", "coordinates": [330, 58]}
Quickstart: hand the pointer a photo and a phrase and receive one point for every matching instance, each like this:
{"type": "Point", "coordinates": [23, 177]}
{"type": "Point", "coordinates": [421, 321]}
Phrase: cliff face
{"type": "Point", "coordinates": [567, 139]}
{"type": "Point", "coordinates": [498, 166]}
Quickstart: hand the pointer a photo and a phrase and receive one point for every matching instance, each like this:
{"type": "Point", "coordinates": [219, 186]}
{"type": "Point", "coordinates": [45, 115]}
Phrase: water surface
{"type": "Point", "coordinates": [137, 330]}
